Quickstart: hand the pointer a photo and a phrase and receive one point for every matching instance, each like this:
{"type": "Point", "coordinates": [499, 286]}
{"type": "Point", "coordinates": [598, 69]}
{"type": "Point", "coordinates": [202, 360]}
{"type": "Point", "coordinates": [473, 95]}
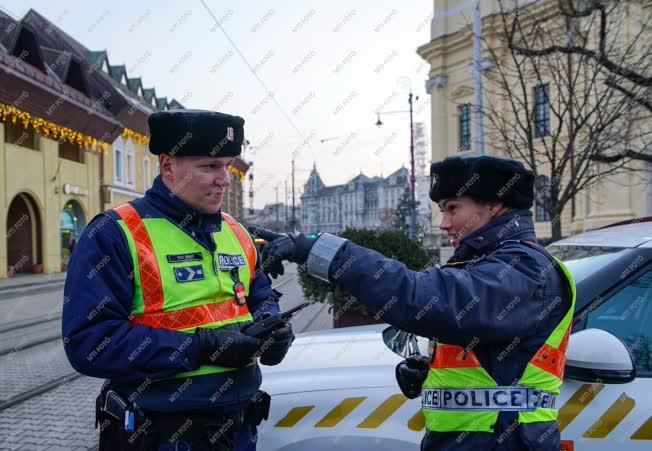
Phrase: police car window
{"type": "Point", "coordinates": [627, 315]}
{"type": "Point", "coordinates": [582, 261]}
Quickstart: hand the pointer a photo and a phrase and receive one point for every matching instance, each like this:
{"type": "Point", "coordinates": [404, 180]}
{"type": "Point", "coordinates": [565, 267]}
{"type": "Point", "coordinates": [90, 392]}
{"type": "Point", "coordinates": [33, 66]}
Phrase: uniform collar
{"type": "Point", "coordinates": [177, 210]}
{"type": "Point", "coordinates": [516, 225]}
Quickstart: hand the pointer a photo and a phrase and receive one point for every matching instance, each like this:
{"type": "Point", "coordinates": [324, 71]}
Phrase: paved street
{"type": "Point", "coordinates": [44, 403]}
{"type": "Point", "coordinates": [314, 317]}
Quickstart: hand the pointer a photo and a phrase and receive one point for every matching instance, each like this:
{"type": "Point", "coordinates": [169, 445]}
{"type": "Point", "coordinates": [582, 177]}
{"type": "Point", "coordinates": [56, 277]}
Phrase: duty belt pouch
{"type": "Point", "coordinates": [258, 408]}
{"type": "Point", "coordinates": [111, 421]}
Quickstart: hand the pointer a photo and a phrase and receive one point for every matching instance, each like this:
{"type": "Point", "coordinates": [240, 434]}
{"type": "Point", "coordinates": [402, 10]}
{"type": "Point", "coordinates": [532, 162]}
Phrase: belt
{"type": "Point", "coordinates": [501, 399]}
{"type": "Point", "coordinates": [112, 403]}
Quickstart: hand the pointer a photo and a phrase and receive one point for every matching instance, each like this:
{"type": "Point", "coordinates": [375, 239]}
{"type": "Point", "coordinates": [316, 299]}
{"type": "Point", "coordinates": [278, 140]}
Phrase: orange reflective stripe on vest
{"type": "Point", "coordinates": [192, 316]}
{"type": "Point", "coordinates": [550, 359]}
{"type": "Point", "coordinates": [453, 356]}
{"type": "Point", "coordinates": [147, 264]}
{"type": "Point", "coordinates": [245, 241]}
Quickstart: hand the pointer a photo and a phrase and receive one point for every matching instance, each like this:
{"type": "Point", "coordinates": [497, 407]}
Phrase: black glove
{"type": "Point", "coordinates": [279, 247]}
{"type": "Point", "coordinates": [276, 346]}
{"type": "Point", "coordinates": [410, 374]}
{"type": "Point", "coordinates": [226, 347]}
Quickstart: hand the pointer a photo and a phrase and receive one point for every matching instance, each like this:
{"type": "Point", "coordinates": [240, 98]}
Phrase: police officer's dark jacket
{"type": "Point", "coordinates": [97, 304]}
{"type": "Point", "coordinates": [470, 302]}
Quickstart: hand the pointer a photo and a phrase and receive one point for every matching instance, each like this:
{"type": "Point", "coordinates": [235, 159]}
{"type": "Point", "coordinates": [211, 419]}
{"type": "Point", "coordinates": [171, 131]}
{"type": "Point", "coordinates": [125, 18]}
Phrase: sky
{"type": "Point", "coordinates": [298, 72]}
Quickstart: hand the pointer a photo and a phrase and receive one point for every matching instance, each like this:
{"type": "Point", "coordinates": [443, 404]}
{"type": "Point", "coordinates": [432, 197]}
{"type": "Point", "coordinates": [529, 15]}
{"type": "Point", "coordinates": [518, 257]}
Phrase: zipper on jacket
{"type": "Point", "coordinates": [216, 270]}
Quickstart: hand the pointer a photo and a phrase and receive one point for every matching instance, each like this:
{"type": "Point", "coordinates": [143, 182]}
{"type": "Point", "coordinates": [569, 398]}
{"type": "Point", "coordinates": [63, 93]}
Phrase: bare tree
{"type": "Point", "coordinates": [387, 219]}
{"type": "Point", "coordinates": [569, 93]}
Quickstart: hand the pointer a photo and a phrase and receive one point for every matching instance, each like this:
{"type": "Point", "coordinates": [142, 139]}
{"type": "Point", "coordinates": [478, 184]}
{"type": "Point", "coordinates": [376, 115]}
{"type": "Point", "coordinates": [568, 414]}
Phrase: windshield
{"type": "Point", "coordinates": [582, 261]}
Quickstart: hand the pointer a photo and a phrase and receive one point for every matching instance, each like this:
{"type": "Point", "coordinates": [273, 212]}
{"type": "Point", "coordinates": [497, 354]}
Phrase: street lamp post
{"type": "Point", "coordinates": [412, 227]}
{"type": "Point", "coordinates": [413, 200]}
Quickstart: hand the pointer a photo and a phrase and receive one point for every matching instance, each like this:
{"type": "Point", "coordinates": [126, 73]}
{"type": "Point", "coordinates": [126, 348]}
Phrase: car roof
{"type": "Point", "coordinates": [627, 236]}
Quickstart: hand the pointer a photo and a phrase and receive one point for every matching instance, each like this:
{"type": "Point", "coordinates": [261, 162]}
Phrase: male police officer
{"type": "Point", "coordinates": [498, 313]}
{"type": "Point", "coordinates": [157, 292]}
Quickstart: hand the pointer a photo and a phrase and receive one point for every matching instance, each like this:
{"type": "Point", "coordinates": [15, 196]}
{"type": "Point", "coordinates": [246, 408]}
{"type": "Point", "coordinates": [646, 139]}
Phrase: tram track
{"type": "Point", "coordinates": [39, 390]}
{"type": "Point", "coordinates": [30, 333]}
{"type": "Point", "coordinates": [30, 322]}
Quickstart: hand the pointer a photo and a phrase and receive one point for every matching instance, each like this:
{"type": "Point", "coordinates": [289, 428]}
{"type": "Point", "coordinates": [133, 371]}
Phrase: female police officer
{"type": "Point", "coordinates": [498, 313]}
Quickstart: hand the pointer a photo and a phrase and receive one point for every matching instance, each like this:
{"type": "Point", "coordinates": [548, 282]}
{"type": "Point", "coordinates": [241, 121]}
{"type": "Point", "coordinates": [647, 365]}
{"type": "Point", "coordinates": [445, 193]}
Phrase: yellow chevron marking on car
{"type": "Point", "coordinates": [293, 417]}
{"type": "Point", "coordinates": [644, 432]}
{"type": "Point", "coordinates": [611, 418]}
{"type": "Point", "coordinates": [383, 412]}
{"type": "Point", "coordinates": [576, 403]}
{"type": "Point", "coordinates": [339, 412]}
{"type": "Point", "coordinates": [417, 422]}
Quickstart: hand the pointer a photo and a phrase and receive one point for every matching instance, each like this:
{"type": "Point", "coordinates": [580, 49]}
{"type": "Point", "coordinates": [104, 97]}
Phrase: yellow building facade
{"type": "Point", "coordinates": [39, 193]}
{"type": "Point", "coordinates": [451, 87]}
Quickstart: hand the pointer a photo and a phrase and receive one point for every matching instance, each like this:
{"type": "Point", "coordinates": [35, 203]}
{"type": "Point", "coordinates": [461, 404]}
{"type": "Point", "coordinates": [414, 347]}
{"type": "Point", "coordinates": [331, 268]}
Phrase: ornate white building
{"type": "Point", "coordinates": [422, 176]}
{"type": "Point", "coordinates": [361, 203]}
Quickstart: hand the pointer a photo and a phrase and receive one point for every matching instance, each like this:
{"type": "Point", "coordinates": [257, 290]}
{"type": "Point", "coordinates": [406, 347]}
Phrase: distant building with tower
{"type": "Point", "coordinates": [362, 202]}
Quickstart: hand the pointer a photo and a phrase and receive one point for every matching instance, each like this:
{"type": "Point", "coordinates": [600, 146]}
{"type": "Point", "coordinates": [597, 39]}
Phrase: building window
{"type": "Point", "coordinates": [72, 152]}
{"type": "Point", "coordinates": [542, 187]}
{"type": "Point", "coordinates": [130, 164]}
{"type": "Point", "coordinates": [118, 163]}
{"type": "Point", "coordinates": [541, 111]}
{"type": "Point", "coordinates": [20, 136]}
{"type": "Point", "coordinates": [464, 113]}
{"type": "Point", "coordinates": [146, 174]}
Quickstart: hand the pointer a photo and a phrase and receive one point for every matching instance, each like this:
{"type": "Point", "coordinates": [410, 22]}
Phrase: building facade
{"type": "Point", "coordinates": [422, 178]}
{"type": "Point", "coordinates": [276, 217]}
{"type": "Point", "coordinates": [73, 142]}
{"type": "Point", "coordinates": [452, 90]}
{"type": "Point", "coordinates": [362, 203]}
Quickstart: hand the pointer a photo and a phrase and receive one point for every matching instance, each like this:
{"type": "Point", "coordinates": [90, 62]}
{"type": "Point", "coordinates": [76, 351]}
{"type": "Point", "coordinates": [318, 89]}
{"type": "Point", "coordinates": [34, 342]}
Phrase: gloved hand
{"type": "Point", "coordinates": [226, 347]}
{"type": "Point", "coordinates": [291, 247]}
{"type": "Point", "coordinates": [410, 374]}
{"type": "Point", "coordinates": [276, 346]}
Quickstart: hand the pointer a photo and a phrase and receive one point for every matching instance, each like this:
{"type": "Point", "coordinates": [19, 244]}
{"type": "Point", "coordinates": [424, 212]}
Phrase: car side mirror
{"type": "Point", "coordinates": [595, 355]}
{"type": "Point", "coordinates": [404, 343]}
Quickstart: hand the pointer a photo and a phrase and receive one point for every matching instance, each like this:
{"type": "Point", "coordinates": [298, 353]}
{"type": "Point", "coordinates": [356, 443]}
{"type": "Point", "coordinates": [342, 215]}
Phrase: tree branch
{"type": "Point", "coordinates": [629, 154]}
{"type": "Point", "coordinates": [629, 94]}
{"type": "Point", "coordinates": [602, 60]}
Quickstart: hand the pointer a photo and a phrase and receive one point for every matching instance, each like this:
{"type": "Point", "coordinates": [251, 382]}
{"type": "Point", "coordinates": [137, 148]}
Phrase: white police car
{"type": "Point", "coordinates": [336, 389]}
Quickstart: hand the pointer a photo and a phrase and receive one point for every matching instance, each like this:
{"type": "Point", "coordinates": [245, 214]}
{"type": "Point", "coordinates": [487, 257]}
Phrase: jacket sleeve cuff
{"type": "Point", "coordinates": [322, 254]}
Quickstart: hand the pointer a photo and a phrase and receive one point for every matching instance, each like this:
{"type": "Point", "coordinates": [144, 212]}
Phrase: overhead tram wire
{"type": "Point", "coordinates": [251, 69]}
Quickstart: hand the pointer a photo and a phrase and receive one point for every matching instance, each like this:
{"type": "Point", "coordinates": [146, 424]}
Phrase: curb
{"type": "Point", "coordinates": [34, 284]}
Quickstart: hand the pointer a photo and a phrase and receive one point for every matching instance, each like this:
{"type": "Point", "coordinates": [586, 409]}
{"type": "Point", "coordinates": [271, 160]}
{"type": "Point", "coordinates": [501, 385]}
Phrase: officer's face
{"type": "Point", "coordinates": [200, 182]}
{"type": "Point", "coordinates": [462, 216]}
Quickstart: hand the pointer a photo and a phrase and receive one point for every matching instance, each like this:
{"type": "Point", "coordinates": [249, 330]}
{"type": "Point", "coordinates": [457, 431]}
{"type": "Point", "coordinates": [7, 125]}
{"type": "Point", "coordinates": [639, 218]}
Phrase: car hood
{"type": "Point", "coordinates": [351, 357]}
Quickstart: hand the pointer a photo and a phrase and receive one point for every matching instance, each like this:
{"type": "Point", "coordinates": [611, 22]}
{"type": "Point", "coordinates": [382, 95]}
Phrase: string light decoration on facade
{"type": "Point", "coordinates": [128, 133]}
{"type": "Point", "coordinates": [50, 129]}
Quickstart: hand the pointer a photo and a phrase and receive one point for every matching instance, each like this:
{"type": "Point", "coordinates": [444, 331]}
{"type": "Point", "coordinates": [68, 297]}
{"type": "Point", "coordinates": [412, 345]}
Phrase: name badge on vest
{"type": "Point", "coordinates": [228, 262]}
{"type": "Point", "coordinates": [189, 273]}
{"type": "Point", "coordinates": [181, 258]}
